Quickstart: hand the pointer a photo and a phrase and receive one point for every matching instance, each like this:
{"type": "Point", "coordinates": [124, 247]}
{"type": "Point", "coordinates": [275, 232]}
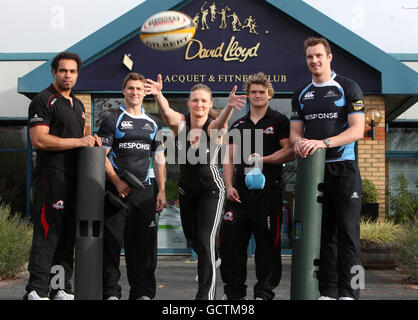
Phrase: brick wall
{"type": "Point", "coordinates": [371, 153]}
{"type": "Point", "coordinates": [86, 99]}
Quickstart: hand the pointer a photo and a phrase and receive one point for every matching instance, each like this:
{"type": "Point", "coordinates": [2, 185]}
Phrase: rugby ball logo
{"type": "Point", "coordinates": [167, 30]}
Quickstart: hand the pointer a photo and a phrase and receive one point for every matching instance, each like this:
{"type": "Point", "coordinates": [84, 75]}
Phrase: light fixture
{"type": "Point", "coordinates": [373, 118]}
{"type": "Point", "coordinates": [127, 61]}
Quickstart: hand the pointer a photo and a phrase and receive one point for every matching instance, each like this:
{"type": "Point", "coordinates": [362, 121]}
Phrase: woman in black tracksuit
{"type": "Point", "coordinates": [201, 187]}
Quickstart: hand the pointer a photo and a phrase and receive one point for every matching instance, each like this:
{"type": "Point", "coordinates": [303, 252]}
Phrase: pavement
{"type": "Point", "coordinates": [175, 281]}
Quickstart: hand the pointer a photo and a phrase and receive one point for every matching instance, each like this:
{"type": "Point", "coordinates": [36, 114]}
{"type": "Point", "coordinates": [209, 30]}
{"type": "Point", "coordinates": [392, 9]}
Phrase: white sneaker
{"type": "Point", "coordinates": [62, 295]}
{"type": "Point", "coordinates": [143, 298]}
{"type": "Point", "coordinates": [112, 298]}
{"type": "Point", "coordinates": [33, 295]}
{"type": "Point", "coordinates": [325, 298]}
{"type": "Point", "coordinates": [345, 298]}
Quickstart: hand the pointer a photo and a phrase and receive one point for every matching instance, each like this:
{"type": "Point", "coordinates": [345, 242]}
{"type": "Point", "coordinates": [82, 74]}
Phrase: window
{"type": "Point", "coordinates": [171, 238]}
{"type": "Point", "coordinates": [13, 140]}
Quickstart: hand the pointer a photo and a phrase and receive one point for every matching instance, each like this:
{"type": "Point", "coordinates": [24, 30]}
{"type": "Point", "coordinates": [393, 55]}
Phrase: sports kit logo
{"type": "Point", "coordinates": [309, 95]}
{"type": "Point", "coordinates": [36, 118]}
{"type": "Point", "coordinates": [59, 205]}
{"type": "Point", "coordinates": [269, 130]}
{"type": "Point", "coordinates": [127, 125]}
{"type": "Point", "coordinates": [229, 216]}
{"type": "Point", "coordinates": [358, 105]}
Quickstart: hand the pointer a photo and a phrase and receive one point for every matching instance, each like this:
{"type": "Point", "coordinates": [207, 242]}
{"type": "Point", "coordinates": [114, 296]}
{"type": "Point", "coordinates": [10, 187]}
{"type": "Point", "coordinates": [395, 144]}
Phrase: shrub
{"type": "Point", "coordinates": [15, 242]}
{"type": "Point", "coordinates": [381, 233]}
{"type": "Point", "coordinates": [403, 202]}
{"type": "Point", "coordinates": [409, 248]}
{"type": "Point", "coordinates": [369, 192]}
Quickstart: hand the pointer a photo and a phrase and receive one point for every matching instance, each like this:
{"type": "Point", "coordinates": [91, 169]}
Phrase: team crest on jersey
{"type": "Point", "coordinates": [229, 216]}
{"type": "Point", "coordinates": [269, 130]}
{"type": "Point", "coordinates": [59, 205]}
{"type": "Point", "coordinates": [331, 94]}
{"type": "Point", "coordinates": [358, 105]}
{"type": "Point", "coordinates": [147, 126]}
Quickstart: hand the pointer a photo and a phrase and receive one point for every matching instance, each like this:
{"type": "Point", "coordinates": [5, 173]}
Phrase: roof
{"type": "Point", "coordinates": [396, 78]}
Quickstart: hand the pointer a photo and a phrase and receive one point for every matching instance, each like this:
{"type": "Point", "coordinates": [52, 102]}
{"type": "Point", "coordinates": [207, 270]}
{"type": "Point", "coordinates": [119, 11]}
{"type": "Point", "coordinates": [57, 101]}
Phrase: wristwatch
{"type": "Point", "coordinates": [327, 143]}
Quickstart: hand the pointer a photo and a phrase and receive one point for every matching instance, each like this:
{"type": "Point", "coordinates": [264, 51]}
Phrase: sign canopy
{"type": "Point", "coordinates": [234, 39]}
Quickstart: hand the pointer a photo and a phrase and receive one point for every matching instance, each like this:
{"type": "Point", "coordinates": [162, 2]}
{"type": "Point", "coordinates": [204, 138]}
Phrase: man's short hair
{"type": "Point", "coordinates": [259, 78]}
{"type": "Point", "coordinates": [133, 76]}
{"type": "Point", "coordinates": [313, 41]}
{"type": "Point", "coordinates": [67, 56]}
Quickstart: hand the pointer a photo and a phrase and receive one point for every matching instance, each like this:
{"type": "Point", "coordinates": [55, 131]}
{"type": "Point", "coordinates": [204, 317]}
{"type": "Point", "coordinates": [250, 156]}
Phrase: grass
{"type": "Point", "coordinates": [15, 242]}
{"type": "Point", "coordinates": [409, 248]}
{"type": "Point", "coordinates": [382, 233]}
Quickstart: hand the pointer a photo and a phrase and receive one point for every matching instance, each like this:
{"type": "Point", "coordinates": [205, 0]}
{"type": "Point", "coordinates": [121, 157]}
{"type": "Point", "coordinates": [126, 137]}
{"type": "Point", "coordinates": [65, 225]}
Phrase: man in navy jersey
{"type": "Point", "coordinates": [56, 129]}
{"type": "Point", "coordinates": [254, 199]}
{"type": "Point", "coordinates": [328, 113]}
{"type": "Point", "coordinates": [129, 136]}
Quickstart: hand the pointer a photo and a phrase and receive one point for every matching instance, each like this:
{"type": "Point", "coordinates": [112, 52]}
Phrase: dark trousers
{"type": "Point", "coordinates": [200, 213]}
{"type": "Point", "coordinates": [258, 214]}
{"type": "Point", "coordinates": [340, 236]}
{"type": "Point", "coordinates": [136, 232]}
{"type": "Point", "coordinates": [53, 218]}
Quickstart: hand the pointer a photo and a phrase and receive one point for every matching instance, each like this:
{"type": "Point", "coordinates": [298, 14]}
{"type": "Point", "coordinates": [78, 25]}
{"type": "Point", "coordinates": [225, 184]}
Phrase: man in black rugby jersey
{"type": "Point", "coordinates": [129, 136]}
{"type": "Point", "coordinates": [254, 198]}
{"type": "Point", "coordinates": [56, 129]}
{"type": "Point", "coordinates": [328, 113]}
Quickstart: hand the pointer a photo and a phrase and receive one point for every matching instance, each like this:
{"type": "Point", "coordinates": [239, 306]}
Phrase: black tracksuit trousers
{"type": "Point", "coordinates": [200, 213]}
{"type": "Point", "coordinates": [136, 232]}
{"type": "Point", "coordinates": [340, 236]}
{"type": "Point", "coordinates": [259, 213]}
{"type": "Point", "coordinates": [53, 218]}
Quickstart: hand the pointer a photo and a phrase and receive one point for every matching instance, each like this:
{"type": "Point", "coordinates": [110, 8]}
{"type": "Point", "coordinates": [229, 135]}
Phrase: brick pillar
{"type": "Point", "coordinates": [86, 99]}
{"type": "Point", "coordinates": [371, 153]}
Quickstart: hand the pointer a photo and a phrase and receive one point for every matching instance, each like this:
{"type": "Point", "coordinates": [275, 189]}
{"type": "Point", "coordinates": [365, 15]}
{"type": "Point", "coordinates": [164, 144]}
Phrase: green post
{"type": "Point", "coordinates": [307, 227]}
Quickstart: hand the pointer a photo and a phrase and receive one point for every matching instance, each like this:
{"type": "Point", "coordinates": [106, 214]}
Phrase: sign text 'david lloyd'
{"type": "Point", "coordinates": [241, 44]}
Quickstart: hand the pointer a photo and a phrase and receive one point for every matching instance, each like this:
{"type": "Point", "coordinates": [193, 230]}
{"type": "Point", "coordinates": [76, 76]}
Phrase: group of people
{"type": "Point", "coordinates": [248, 193]}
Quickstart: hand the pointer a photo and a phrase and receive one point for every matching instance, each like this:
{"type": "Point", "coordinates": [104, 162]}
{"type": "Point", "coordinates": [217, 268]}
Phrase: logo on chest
{"type": "Point", "coordinates": [148, 127]}
{"type": "Point", "coordinates": [331, 94]}
{"type": "Point", "coordinates": [126, 125]}
{"type": "Point", "coordinates": [309, 95]}
{"type": "Point", "coordinates": [269, 130]}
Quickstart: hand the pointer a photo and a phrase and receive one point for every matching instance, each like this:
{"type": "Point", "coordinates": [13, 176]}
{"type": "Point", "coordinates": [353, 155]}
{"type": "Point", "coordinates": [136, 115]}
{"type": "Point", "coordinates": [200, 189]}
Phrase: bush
{"type": "Point", "coordinates": [369, 192]}
{"type": "Point", "coordinates": [403, 202]}
{"type": "Point", "coordinates": [381, 233]}
{"type": "Point", "coordinates": [15, 242]}
{"type": "Point", "coordinates": [409, 248]}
